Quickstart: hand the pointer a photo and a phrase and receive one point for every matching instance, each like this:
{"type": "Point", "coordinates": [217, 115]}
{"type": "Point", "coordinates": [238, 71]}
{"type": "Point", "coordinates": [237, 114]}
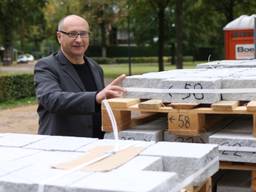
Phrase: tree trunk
{"type": "Point", "coordinates": [179, 34]}
{"type": "Point", "coordinates": [7, 60]}
{"type": "Point", "coordinates": [103, 40]}
{"type": "Point", "coordinates": [161, 21]}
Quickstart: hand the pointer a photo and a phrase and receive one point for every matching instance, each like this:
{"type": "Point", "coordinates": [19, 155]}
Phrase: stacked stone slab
{"type": "Point", "coordinates": [236, 142]}
{"type": "Point", "coordinates": [26, 166]}
{"type": "Point", "coordinates": [156, 85]}
{"type": "Point", "coordinates": [228, 64]}
{"type": "Point", "coordinates": [150, 131]}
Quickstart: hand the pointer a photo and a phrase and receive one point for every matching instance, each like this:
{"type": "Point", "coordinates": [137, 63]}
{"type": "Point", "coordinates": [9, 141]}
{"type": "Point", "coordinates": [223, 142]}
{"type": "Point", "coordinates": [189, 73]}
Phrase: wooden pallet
{"type": "Point", "coordinates": [242, 166]}
{"type": "Point", "coordinates": [205, 187]}
{"type": "Point", "coordinates": [185, 119]}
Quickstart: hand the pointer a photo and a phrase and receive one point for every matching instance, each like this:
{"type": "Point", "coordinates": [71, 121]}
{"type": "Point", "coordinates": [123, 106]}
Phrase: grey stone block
{"type": "Point", "coordinates": [239, 82]}
{"type": "Point", "coordinates": [9, 154]}
{"type": "Point", "coordinates": [203, 138]}
{"type": "Point", "coordinates": [216, 78]}
{"type": "Point", "coordinates": [176, 155]}
{"type": "Point", "coordinates": [136, 181]}
{"type": "Point", "coordinates": [116, 143]}
{"type": "Point", "coordinates": [61, 143]}
{"type": "Point", "coordinates": [147, 163]}
{"type": "Point", "coordinates": [19, 140]}
{"type": "Point", "coordinates": [236, 142]}
{"type": "Point", "coordinates": [29, 170]}
{"type": "Point", "coordinates": [151, 131]}
{"type": "Point", "coordinates": [228, 64]}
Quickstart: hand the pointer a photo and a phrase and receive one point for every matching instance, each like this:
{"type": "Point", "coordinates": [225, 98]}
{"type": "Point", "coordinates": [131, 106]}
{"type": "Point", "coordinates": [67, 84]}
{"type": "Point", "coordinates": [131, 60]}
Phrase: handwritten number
{"type": "Point", "coordinates": [197, 96]}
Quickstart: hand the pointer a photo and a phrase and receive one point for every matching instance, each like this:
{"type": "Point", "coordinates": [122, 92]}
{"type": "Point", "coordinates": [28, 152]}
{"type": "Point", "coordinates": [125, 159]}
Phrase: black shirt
{"type": "Point", "coordinates": [85, 74]}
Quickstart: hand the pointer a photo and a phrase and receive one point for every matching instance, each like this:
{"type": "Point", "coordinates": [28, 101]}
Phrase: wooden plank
{"type": "Point", "coordinates": [122, 102]}
{"type": "Point", "coordinates": [151, 104]}
{"type": "Point", "coordinates": [205, 187]}
{"type": "Point", "coordinates": [251, 106]}
{"type": "Point", "coordinates": [144, 118]}
{"type": "Point", "coordinates": [184, 105]}
{"type": "Point", "coordinates": [238, 166]}
{"type": "Point", "coordinates": [123, 120]}
{"type": "Point", "coordinates": [225, 105]}
{"type": "Point", "coordinates": [253, 183]}
{"type": "Point", "coordinates": [185, 122]}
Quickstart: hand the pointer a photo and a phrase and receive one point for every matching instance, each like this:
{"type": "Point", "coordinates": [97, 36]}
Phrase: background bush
{"type": "Point", "coordinates": [16, 86]}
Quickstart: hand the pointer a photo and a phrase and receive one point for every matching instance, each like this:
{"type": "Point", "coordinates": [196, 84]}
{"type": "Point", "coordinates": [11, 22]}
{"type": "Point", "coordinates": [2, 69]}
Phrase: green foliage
{"type": "Point", "coordinates": [125, 60]}
{"type": "Point", "coordinates": [17, 102]}
{"type": "Point", "coordinates": [16, 86]}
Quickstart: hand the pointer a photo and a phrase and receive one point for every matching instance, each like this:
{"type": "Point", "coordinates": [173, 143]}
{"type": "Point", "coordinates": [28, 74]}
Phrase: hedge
{"type": "Point", "coordinates": [16, 86]}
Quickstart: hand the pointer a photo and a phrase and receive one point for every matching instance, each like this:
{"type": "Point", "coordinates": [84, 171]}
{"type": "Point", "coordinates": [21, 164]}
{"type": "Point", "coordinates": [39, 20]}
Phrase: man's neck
{"type": "Point", "coordinates": [74, 60]}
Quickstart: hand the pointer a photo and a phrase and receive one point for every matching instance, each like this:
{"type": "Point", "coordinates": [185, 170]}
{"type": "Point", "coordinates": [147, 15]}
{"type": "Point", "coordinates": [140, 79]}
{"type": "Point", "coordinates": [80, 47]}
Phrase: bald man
{"type": "Point", "coordinates": [70, 86]}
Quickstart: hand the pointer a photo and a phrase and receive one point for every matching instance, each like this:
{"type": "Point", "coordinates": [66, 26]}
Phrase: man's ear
{"type": "Point", "coordinates": [58, 36]}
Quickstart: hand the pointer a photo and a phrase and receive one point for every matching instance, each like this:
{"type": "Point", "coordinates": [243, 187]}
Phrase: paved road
{"type": "Point", "coordinates": [22, 68]}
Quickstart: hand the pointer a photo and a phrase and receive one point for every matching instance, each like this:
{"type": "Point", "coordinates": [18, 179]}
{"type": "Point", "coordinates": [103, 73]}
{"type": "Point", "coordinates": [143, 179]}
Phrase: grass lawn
{"type": "Point", "coordinates": [113, 70]}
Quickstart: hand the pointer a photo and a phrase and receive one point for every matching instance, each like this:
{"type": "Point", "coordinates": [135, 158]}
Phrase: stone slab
{"type": "Point", "coordinates": [151, 131]}
{"type": "Point", "coordinates": [214, 78]}
{"type": "Point", "coordinates": [147, 163]}
{"type": "Point", "coordinates": [116, 143]}
{"type": "Point", "coordinates": [29, 170]}
{"type": "Point", "coordinates": [239, 83]}
{"type": "Point", "coordinates": [61, 143]}
{"type": "Point", "coordinates": [176, 155]}
{"type": "Point", "coordinates": [228, 64]}
{"type": "Point", "coordinates": [19, 140]}
{"type": "Point", "coordinates": [236, 142]}
{"type": "Point", "coordinates": [9, 154]}
{"type": "Point", "coordinates": [136, 181]}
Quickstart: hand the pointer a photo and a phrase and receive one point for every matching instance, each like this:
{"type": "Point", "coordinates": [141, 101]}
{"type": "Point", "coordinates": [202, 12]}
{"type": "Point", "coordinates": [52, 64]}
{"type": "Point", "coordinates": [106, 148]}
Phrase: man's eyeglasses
{"type": "Point", "coordinates": [74, 34]}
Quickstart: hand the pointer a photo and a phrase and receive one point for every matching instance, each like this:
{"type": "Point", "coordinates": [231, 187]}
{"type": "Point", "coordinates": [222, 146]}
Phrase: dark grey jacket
{"type": "Point", "coordinates": [64, 106]}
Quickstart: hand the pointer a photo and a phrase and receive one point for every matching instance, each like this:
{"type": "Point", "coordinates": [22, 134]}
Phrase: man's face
{"type": "Point", "coordinates": [72, 38]}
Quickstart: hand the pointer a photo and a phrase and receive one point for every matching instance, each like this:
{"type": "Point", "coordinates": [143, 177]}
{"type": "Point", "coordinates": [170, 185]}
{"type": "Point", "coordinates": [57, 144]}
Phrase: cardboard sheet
{"type": "Point", "coordinates": [101, 158]}
{"type": "Point", "coordinates": [87, 157]}
{"type": "Point", "coordinates": [115, 160]}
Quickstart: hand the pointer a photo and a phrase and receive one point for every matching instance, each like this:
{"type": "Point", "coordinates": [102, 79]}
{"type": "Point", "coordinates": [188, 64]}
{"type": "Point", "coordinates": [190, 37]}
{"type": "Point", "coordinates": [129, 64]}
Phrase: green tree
{"type": "Point", "coordinates": [16, 16]}
{"type": "Point", "coordinates": [105, 14]}
{"type": "Point", "coordinates": [150, 22]}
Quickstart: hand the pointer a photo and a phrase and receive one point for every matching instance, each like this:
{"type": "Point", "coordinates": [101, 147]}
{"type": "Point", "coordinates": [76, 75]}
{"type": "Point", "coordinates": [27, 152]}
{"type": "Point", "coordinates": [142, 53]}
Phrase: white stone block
{"type": "Point", "coordinates": [151, 131]}
{"type": "Point", "coordinates": [8, 154]}
{"type": "Point", "coordinates": [236, 142]}
{"type": "Point", "coordinates": [239, 83]}
{"type": "Point", "coordinates": [120, 144]}
{"type": "Point", "coordinates": [19, 140]}
{"type": "Point", "coordinates": [61, 143]}
{"type": "Point", "coordinates": [176, 155]}
{"type": "Point", "coordinates": [136, 181]}
{"type": "Point", "coordinates": [147, 163]}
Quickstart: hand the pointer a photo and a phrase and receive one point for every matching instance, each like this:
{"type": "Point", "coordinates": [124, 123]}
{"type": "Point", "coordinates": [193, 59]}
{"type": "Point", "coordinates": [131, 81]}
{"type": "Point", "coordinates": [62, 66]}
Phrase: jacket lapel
{"type": "Point", "coordinates": [69, 70]}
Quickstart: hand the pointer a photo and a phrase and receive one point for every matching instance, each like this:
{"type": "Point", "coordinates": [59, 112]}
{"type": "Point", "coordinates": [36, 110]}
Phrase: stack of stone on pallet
{"type": "Point", "coordinates": [228, 64]}
{"type": "Point", "coordinates": [145, 86]}
{"type": "Point", "coordinates": [157, 130]}
{"type": "Point", "coordinates": [236, 144]}
{"type": "Point", "coordinates": [26, 162]}
{"type": "Point", "coordinates": [150, 131]}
